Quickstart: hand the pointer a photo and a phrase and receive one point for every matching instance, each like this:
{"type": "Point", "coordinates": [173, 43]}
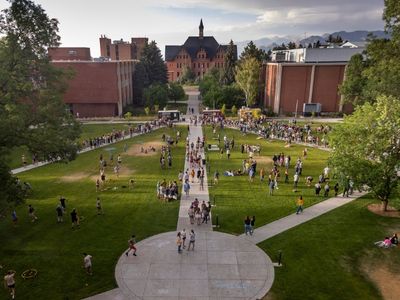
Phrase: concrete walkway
{"type": "Point", "coordinates": [195, 192]}
{"type": "Point", "coordinates": [267, 231]}
{"type": "Point", "coordinates": [222, 266]}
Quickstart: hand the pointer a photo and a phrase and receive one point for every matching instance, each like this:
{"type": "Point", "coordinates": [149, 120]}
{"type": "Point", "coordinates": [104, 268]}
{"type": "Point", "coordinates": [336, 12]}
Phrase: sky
{"type": "Point", "coordinates": [171, 22]}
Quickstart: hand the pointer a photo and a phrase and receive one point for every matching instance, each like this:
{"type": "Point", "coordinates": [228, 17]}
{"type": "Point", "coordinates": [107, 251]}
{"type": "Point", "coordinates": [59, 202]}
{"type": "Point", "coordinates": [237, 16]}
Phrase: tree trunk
{"type": "Point", "coordinates": [384, 205]}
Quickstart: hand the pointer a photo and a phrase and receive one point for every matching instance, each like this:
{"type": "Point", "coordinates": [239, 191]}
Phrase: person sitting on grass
{"type": "Point", "coordinates": [386, 243]}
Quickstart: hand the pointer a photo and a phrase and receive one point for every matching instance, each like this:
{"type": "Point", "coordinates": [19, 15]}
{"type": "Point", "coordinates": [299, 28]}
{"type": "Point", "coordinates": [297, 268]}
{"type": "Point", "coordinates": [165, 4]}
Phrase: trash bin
{"type": "Point", "coordinates": [204, 161]}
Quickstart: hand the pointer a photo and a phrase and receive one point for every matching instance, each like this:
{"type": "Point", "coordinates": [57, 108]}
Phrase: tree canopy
{"type": "Point", "coordinates": [251, 50]}
{"type": "Point", "coordinates": [228, 73]}
{"type": "Point", "coordinates": [155, 70]}
{"type": "Point", "coordinates": [32, 112]}
{"type": "Point", "coordinates": [367, 146]}
{"type": "Point", "coordinates": [247, 78]}
{"type": "Point", "coordinates": [379, 74]}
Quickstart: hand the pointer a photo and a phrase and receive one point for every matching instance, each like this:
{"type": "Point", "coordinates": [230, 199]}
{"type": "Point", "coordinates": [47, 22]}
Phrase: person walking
{"type": "Point", "coordinates": [31, 212]}
{"type": "Point", "coordinates": [317, 188]}
{"type": "Point", "coordinates": [295, 181]}
{"type": "Point", "coordinates": [186, 188]}
{"type": "Point", "coordinates": [183, 235]}
{"type": "Point", "coordinates": [9, 283]}
{"type": "Point", "coordinates": [131, 244]}
{"type": "Point", "coordinates": [271, 187]}
{"type": "Point", "coordinates": [98, 207]}
{"type": "Point", "coordinates": [87, 263]}
{"type": "Point", "coordinates": [179, 242]}
{"type": "Point", "coordinates": [247, 226]}
{"type": "Point", "coordinates": [326, 188]}
{"type": "Point", "coordinates": [191, 214]}
{"type": "Point", "coordinates": [300, 203]}
{"type": "Point", "coordinates": [74, 219]}
{"type": "Point", "coordinates": [60, 213]}
{"type": "Point", "coordinates": [192, 239]}
{"type": "Point", "coordinates": [252, 223]}
{"type": "Point", "coordinates": [336, 189]}
{"type": "Point", "coordinates": [14, 217]}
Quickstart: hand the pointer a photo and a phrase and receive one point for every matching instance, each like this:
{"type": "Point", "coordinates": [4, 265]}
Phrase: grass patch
{"type": "Point", "coordinates": [323, 258]}
{"type": "Point", "coordinates": [236, 197]}
{"type": "Point", "coordinates": [55, 250]}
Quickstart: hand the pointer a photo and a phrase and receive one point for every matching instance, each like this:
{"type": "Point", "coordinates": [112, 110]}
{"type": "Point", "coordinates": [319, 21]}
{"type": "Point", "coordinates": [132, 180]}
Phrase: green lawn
{"type": "Point", "coordinates": [324, 258]}
{"type": "Point", "coordinates": [55, 250]}
{"type": "Point", "coordinates": [88, 131]}
{"type": "Point", "coordinates": [96, 130]}
{"type": "Point", "coordinates": [236, 197]}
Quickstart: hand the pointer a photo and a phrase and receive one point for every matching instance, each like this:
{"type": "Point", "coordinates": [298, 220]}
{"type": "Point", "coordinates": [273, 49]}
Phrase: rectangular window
{"type": "Point", "coordinates": [177, 74]}
{"type": "Point", "coordinates": [198, 74]}
{"type": "Point", "coordinates": [177, 65]}
{"type": "Point", "coordinates": [198, 65]}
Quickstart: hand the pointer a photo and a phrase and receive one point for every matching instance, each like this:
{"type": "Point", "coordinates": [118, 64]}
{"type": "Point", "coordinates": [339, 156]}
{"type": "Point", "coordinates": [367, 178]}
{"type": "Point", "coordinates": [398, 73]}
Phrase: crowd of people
{"type": "Point", "coordinates": [167, 191]}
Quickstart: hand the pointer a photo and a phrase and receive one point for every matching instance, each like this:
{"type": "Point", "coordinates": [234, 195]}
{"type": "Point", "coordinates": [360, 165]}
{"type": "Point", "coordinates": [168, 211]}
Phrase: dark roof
{"type": "Point", "coordinates": [171, 52]}
{"type": "Point", "coordinates": [193, 44]}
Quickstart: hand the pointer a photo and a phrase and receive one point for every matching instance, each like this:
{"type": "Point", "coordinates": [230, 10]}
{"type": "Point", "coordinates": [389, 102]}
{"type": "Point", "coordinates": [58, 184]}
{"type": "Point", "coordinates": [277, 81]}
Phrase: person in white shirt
{"type": "Point", "coordinates": [9, 283]}
{"type": "Point", "coordinates": [87, 263]}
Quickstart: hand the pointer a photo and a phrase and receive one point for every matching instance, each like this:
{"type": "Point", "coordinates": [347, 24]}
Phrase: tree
{"type": "Point", "coordinates": [187, 75]}
{"type": "Point", "coordinates": [366, 147]}
{"type": "Point", "coordinates": [155, 70]}
{"type": "Point", "coordinates": [138, 83]}
{"type": "Point", "coordinates": [251, 50]}
{"type": "Point", "coordinates": [32, 112]}
{"type": "Point", "coordinates": [156, 94]}
{"type": "Point", "coordinates": [228, 73]}
{"type": "Point", "coordinates": [380, 74]}
{"type": "Point", "coordinates": [247, 78]}
{"type": "Point", "coordinates": [175, 92]}
{"type": "Point", "coordinates": [292, 45]}
{"type": "Point", "coordinates": [354, 86]}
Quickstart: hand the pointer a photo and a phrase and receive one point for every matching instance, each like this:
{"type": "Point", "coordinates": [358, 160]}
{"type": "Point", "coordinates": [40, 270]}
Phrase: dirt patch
{"type": "Point", "coordinates": [377, 209]}
{"type": "Point", "coordinates": [136, 150]}
{"type": "Point", "coordinates": [386, 280]}
{"type": "Point", "coordinates": [74, 177]}
{"type": "Point", "coordinates": [262, 160]}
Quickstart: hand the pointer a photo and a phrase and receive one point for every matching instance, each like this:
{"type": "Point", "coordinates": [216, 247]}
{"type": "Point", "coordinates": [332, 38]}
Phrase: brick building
{"type": "Point", "coordinates": [99, 88]}
{"type": "Point", "coordinates": [301, 76]}
{"type": "Point", "coordinates": [122, 50]}
{"type": "Point", "coordinates": [199, 53]}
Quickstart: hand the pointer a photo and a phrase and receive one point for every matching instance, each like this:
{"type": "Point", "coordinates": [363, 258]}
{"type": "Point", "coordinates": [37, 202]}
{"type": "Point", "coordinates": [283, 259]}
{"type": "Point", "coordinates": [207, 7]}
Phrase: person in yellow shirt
{"type": "Point", "coordinates": [300, 203]}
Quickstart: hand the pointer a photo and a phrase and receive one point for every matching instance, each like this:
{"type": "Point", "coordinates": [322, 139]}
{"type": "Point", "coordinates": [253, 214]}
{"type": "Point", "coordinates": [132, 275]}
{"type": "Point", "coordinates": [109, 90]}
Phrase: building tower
{"type": "Point", "coordinates": [201, 29]}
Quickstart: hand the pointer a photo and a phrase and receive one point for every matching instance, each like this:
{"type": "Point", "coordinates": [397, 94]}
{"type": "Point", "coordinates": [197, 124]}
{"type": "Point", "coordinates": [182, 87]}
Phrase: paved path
{"type": "Point", "coordinates": [267, 231]}
{"type": "Point", "coordinates": [222, 266]}
{"type": "Point", "coordinates": [195, 192]}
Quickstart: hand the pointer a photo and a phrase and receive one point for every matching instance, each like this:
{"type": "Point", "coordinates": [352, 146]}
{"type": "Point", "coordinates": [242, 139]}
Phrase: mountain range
{"type": "Point", "coordinates": [268, 43]}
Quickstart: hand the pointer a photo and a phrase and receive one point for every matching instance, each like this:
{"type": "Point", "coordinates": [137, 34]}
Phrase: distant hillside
{"type": "Point", "coordinates": [353, 36]}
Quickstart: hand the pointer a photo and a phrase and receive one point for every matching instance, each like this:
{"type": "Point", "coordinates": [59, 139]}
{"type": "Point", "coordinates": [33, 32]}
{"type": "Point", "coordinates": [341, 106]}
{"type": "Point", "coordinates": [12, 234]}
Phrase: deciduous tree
{"type": "Point", "coordinates": [366, 147]}
{"type": "Point", "coordinates": [247, 78]}
{"type": "Point", "coordinates": [32, 112]}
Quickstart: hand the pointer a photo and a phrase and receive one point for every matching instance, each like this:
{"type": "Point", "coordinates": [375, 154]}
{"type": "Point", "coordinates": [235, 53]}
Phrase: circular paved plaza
{"type": "Point", "coordinates": [222, 266]}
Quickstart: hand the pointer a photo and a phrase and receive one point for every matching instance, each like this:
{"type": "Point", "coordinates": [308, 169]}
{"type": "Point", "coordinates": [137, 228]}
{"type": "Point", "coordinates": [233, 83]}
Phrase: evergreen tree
{"type": "Point", "coordinates": [228, 73]}
{"type": "Point", "coordinates": [138, 83]}
{"type": "Point", "coordinates": [32, 112]}
{"type": "Point", "coordinates": [251, 50]}
{"type": "Point", "coordinates": [155, 70]}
